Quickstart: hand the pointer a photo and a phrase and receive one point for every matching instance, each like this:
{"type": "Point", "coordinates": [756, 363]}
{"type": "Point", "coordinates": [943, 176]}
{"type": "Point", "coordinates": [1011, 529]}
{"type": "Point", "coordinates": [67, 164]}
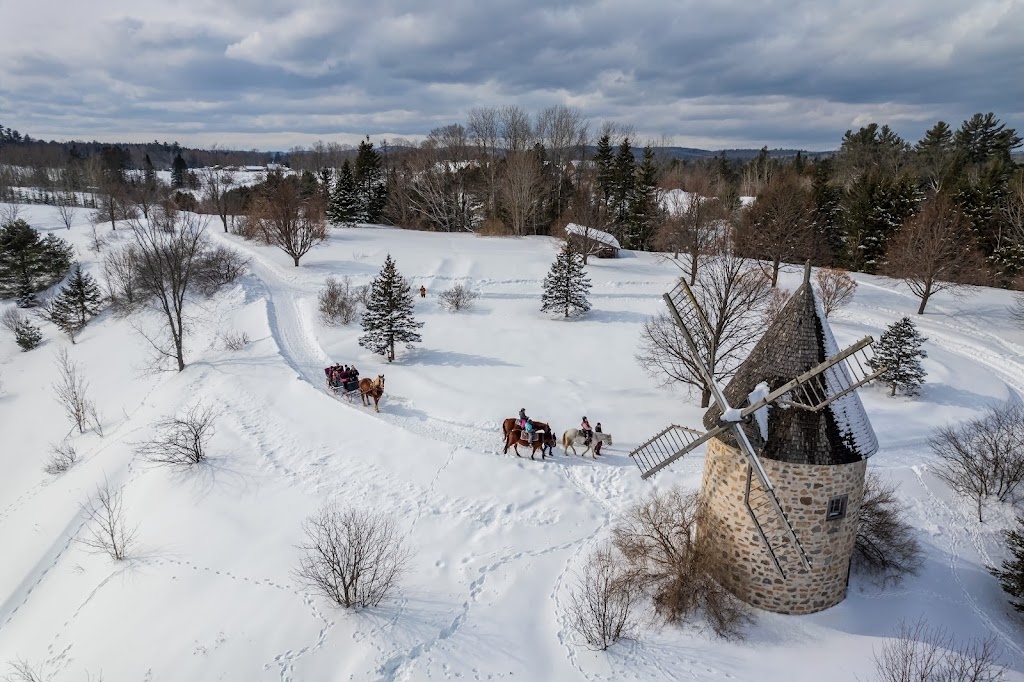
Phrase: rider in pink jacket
{"type": "Point", "coordinates": [586, 431]}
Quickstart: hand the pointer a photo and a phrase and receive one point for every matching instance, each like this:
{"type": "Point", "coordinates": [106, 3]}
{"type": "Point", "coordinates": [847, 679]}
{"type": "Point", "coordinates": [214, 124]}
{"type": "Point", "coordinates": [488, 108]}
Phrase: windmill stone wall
{"type": "Point", "coordinates": [804, 491]}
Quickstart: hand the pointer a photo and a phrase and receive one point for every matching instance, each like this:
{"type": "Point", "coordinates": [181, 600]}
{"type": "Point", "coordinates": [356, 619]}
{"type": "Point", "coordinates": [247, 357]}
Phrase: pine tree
{"type": "Point", "coordinates": [178, 170]}
{"type": "Point", "coordinates": [371, 188]}
{"type": "Point", "coordinates": [27, 335]}
{"type": "Point", "coordinates": [1011, 573]}
{"type": "Point", "coordinates": [566, 285]}
{"type": "Point", "coordinates": [899, 351]}
{"type": "Point", "coordinates": [28, 263]}
{"type": "Point", "coordinates": [388, 315]}
{"type": "Point", "coordinates": [643, 217]}
{"type": "Point", "coordinates": [604, 160]}
{"type": "Point", "coordinates": [625, 185]}
{"type": "Point", "coordinates": [148, 171]}
{"type": "Point", "coordinates": [76, 303]}
{"type": "Point", "coordinates": [344, 206]}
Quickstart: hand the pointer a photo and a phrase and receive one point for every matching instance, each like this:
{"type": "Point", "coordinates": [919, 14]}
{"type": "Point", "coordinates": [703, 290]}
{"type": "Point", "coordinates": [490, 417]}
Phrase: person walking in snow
{"type": "Point", "coordinates": [423, 291]}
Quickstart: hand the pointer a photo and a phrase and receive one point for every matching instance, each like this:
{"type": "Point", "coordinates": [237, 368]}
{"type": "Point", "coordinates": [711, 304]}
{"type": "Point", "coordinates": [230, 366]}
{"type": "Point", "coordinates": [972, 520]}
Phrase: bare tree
{"type": "Point", "coordinates": [108, 529]}
{"type": "Point", "coordinates": [520, 190]}
{"type": "Point", "coordinates": [181, 440]}
{"type": "Point", "coordinates": [733, 295]}
{"type": "Point", "coordinates": [23, 671]}
{"type": "Point", "coordinates": [218, 267]}
{"type": "Point", "coordinates": [62, 457]}
{"type": "Point", "coordinates": [1013, 209]}
{"type": "Point", "coordinates": [516, 133]}
{"type": "Point", "coordinates": [440, 192]}
{"type": "Point", "coordinates": [885, 545]}
{"type": "Point", "coordinates": [692, 222]}
{"type": "Point", "coordinates": [983, 457]}
{"type": "Point", "coordinates": [835, 288]}
{"type": "Point", "coordinates": [235, 340]}
{"type": "Point", "coordinates": [66, 208]}
{"type": "Point", "coordinates": [778, 227]}
{"type": "Point", "coordinates": [776, 302]}
{"type": "Point", "coordinates": [354, 558]}
{"type": "Point", "coordinates": [563, 132]}
{"type": "Point", "coordinates": [217, 183]}
{"type": "Point", "coordinates": [167, 262]}
{"type": "Point", "coordinates": [457, 298]}
{"type": "Point", "coordinates": [602, 606]}
{"type": "Point", "coordinates": [921, 653]}
{"type": "Point", "coordinates": [932, 252]}
{"type": "Point", "coordinates": [121, 276]}
{"type": "Point", "coordinates": [483, 129]}
{"type": "Point", "coordinates": [289, 221]}
{"type": "Point", "coordinates": [665, 539]}
{"type": "Point", "coordinates": [70, 390]}
{"type": "Point", "coordinates": [10, 213]}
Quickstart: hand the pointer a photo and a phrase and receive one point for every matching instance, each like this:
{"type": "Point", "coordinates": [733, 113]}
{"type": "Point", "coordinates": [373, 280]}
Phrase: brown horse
{"type": "Point", "coordinates": [545, 441]}
{"type": "Point", "coordinates": [372, 388]}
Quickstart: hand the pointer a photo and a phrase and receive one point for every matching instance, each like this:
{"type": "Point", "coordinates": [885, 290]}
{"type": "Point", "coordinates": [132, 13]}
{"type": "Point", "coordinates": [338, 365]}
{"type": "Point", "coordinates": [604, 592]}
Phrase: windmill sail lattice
{"type": "Point", "coordinates": [837, 376]}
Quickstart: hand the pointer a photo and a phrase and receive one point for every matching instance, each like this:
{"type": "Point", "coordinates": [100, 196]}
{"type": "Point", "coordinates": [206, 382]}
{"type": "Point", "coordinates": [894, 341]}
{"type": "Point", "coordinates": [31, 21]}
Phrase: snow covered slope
{"type": "Point", "coordinates": [209, 593]}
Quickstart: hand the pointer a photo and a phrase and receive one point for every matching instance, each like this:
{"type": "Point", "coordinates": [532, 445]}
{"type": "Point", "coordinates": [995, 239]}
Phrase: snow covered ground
{"type": "Point", "coordinates": [209, 592]}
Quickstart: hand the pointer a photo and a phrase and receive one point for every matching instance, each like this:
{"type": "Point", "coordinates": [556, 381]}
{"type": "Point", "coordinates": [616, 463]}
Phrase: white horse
{"type": "Point", "coordinates": [573, 437]}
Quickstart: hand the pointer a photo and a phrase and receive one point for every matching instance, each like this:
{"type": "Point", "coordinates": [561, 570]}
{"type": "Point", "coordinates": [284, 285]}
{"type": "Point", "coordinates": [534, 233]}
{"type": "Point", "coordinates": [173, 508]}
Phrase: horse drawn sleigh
{"type": "Point", "coordinates": [344, 381]}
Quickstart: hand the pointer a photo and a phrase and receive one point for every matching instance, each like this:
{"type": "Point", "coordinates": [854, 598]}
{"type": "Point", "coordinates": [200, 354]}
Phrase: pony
{"type": "Point", "coordinates": [573, 437]}
{"type": "Point", "coordinates": [545, 441]}
{"type": "Point", "coordinates": [372, 388]}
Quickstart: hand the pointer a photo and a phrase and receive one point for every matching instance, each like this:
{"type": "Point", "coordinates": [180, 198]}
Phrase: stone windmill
{"type": "Point", "coordinates": [787, 443]}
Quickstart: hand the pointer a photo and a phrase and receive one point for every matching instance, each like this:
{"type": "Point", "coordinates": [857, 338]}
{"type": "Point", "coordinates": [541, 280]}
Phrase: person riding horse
{"type": "Point", "coordinates": [523, 418]}
{"type": "Point", "coordinates": [586, 431]}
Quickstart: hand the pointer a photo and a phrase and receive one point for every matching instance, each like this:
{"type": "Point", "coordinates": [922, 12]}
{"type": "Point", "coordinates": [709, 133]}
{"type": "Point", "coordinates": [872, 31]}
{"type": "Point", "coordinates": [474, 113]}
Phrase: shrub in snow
{"type": "Point", "coordinates": [983, 457]}
{"type": "Point", "coordinates": [899, 351]}
{"type": "Point", "coordinates": [23, 671]}
{"type": "Point", "coordinates": [181, 440]}
{"type": "Point", "coordinates": [459, 297]}
{"type": "Point", "coordinates": [339, 302]}
{"type": "Point", "coordinates": [921, 652]}
{"type": "Point", "coordinates": [603, 603]}
{"type": "Point", "coordinates": [1011, 572]}
{"type": "Point", "coordinates": [26, 334]}
{"type": "Point", "coordinates": [885, 545]}
{"type": "Point", "coordinates": [70, 391]}
{"type": "Point", "coordinates": [835, 289]}
{"type": "Point", "coordinates": [658, 538]}
{"type": "Point", "coordinates": [354, 558]}
{"type": "Point", "coordinates": [62, 457]}
{"type": "Point", "coordinates": [108, 531]}
{"type": "Point", "coordinates": [235, 341]}
{"type": "Point", "coordinates": [566, 285]}
{"type": "Point", "coordinates": [388, 316]}
{"type": "Point", "coordinates": [218, 267]}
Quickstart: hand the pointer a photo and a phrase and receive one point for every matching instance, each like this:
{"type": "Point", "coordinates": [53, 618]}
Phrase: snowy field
{"type": "Point", "coordinates": [209, 593]}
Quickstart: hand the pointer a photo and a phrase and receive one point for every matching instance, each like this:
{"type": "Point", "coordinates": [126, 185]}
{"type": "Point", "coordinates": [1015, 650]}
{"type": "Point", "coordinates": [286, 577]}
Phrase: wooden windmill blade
{"type": "Point", "coordinates": [668, 445]}
{"type": "Point", "coordinates": [822, 385]}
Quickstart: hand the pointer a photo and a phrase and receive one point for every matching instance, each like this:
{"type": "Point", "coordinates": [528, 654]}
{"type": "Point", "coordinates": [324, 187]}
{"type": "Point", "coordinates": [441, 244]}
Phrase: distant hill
{"type": "Point", "coordinates": [740, 154]}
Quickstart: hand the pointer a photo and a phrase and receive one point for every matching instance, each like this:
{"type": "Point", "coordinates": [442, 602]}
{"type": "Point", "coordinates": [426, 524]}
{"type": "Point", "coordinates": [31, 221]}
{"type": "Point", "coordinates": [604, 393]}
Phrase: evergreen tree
{"type": "Point", "coordinates": [938, 158]}
{"type": "Point", "coordinates": [625, 186]}
{"type": "Point", "coordinates": [604, 161]}
{"type": "Point", "coordinates": [388, 315]}
{"type": "Point", "coordinates": [179, 169]}
{"type": "Point", "coordinates": [344, 206]}
{"type": "Point", "coordinates": [874, 207]}
{"type": "Point", "coordinates": [827, 211]}
{"type": "Point", "coordinates": [371, 188]}
{"type": "Point", "coordinates": [984, 138]}
{"type": "Point", "coordinates": [644, 211]}
{"type": "Point", "coordinates": [566, 285]}
{"type": "Point", "coordinates": [27, 335]}
{"type": "Point", "coordinates": [1011, 573]}
{"type": "Point", "coordinates": [148, 171]}
{"type": "Point", "coordinates": [899, 351]}
{"type": "Point", "coordinates": [28, 263]}
{"type": "Point", "coordinates": [76, 303]}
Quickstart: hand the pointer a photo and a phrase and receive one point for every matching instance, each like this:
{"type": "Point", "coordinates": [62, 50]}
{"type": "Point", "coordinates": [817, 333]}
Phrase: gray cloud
{"type": "Point", "coordinates": [273, 73]}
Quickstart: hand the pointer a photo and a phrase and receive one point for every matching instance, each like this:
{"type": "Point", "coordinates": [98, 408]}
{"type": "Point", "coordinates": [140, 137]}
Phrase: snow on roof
{"type": "Point", "coordinates": [591, 233]}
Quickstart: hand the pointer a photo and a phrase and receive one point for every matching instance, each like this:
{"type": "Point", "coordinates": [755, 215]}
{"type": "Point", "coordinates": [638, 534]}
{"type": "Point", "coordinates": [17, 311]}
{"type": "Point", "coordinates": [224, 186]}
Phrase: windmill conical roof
{"type": "Point", "coordinates": [797, 340]}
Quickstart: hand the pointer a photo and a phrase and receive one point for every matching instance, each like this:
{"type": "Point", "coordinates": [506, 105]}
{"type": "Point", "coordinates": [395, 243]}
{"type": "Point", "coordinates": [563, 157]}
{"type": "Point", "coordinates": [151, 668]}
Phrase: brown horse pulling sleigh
{"type": "Point", "coordinates": [345, 381]}
{"type": "Point", "coordinates": [514, 436]}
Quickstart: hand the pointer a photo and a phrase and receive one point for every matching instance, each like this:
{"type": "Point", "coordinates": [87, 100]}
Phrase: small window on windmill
{"type": "Point", "coordinates": [836, 507]}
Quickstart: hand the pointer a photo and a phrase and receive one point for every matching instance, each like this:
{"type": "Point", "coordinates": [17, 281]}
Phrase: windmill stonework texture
{"type": "Point", "coordinates": [787, 447]}
{"type": "Point", "coordinates": [815, 460]}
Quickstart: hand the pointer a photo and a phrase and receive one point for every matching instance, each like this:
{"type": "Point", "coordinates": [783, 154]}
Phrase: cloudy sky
{"type": "Point", "coordinates": [271, 74]}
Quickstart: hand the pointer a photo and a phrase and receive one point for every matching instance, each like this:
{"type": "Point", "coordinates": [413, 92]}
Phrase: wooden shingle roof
{"type": "Point", "coordinates": [798, 340]}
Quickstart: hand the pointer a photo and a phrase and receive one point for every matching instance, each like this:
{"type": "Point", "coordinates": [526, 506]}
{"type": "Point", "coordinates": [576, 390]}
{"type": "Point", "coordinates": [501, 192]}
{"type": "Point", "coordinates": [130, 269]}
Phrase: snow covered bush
{"type": "Point", "coordinates": [353, 557]}
{"type": "Point", "coordinates": [669, 559]}
{"type": "Point", "coordinates": [181, 440]}
{"type": "Point", "coordinates": [921, 652]}
{"type": "Point", "coordinates": [62, 457]}
{"type": "Point", "coordinates": [899, 352]}
{"type": "Point", "coordinates": [235, 340]}
{"type": "Point", "coordinates": [983, 457]}
{"type": "Point", "coordinates": [108, 531]}
{"type": "Point", "coordinates": [835, 289]}
{"type": "Point", "coordinates": [218, 267]}
{"type": "Point", "coordinates": [1011, 573]}
{"type": "Point", "coordinates": [885, 545]}
{"type": "Point", "coordinates": [459, 297]}
{"type": "Point", "coordinates": [339, 302]}
{"type": "Point", "coordinates": [603, 604]}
